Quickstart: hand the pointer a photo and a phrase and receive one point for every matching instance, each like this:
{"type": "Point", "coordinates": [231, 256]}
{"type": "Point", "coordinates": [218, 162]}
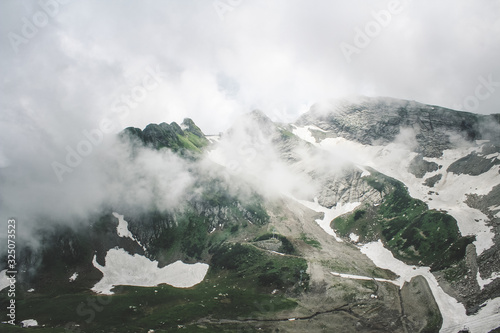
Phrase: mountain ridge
{"type": "Point", "coordinates": [380, 120]}
{"type": "Point", "coordinates": [283, 214]}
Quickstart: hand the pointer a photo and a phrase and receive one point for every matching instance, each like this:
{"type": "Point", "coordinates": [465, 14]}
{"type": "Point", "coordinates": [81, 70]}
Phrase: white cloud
{"type": "Point", "coordinates": [282, 56]}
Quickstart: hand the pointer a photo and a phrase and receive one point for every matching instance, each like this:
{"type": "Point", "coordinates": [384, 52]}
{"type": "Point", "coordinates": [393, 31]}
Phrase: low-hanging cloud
{"type": "Point", "coordinates": [255, 151]}
{"type": "Point", "coordinates": [279, 56]}
{"type": "Point", "coordinates": [114, 176]}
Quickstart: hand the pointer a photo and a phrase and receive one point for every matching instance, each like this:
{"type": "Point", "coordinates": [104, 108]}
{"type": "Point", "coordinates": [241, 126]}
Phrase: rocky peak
{"type": "Point", "coordinates": [189, 125]}
{"type": "Point", "coordinates": [173, 136]}
{"type": "Point", "coordinates": [380, 120]}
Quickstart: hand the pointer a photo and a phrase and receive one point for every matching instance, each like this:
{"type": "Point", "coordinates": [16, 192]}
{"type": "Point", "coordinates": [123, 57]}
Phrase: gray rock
{"type": "Point", "coordinates": [419, 167]}
{"type": "Point", "coordinates": [429, 129]}
{"type": "Point", "coordinates": [472, 164]}
{"type": "Point", "coordinates": [431, 181]}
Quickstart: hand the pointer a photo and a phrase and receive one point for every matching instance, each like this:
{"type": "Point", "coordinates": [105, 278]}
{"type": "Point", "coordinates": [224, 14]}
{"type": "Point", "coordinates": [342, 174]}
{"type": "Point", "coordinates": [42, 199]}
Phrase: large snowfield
{"type": "Point", "coordinates": [123, 268]}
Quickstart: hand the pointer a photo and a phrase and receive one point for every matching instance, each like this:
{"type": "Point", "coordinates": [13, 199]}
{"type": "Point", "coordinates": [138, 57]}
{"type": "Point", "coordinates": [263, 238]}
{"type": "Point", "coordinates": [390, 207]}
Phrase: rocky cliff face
{"type": "Point", "coordinates": [379, 121]}
{"type": "Point", "coordinates": [348, 187]}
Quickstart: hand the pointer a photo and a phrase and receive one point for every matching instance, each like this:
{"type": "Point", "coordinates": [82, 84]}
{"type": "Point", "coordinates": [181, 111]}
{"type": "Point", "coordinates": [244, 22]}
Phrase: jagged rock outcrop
{"type": "Point", "coordinates": [186, 136]}
{"type": "Point", "coordinates": [419, 309]}
{"type": "Point", "coordinates": [474, 164]}
{"type": "Point", "coordinates": [347, 187]}
{"type": "Point", "coordinates": [431, 181]}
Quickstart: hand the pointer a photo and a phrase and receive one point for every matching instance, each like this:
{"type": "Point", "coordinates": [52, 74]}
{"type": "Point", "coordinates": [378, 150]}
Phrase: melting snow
{"type": "Point", "coordinates": [490, 156]}
{"type": "Point", "coordinates": [122, 229]}
{"type": "Point", "coordinates": [123, 268]}
{"type": "Point", "coordinates": [354, 237]}
{"type": "Point", "coordinates": [29, 323]}
{"type": "Point", "coordinates": [330, 213]}
{"type": "Point", "coordinates": [452, 191]}
{"type": "Point", "coordinates": [305, 134]}
{"type": "Point", "coordinates": [359, 277]}
{"type": "Point", "coordinates": [365, 172]}
{"type": "Point", "coordinates": [454, 316]}
{"type": "Point", "coordinates": [73, 277]}
{"type": "Point", "coordinates": [484, 282]}
{"type": "Point", "coordinates": [4, 281]}
{"type": "Point", "coordinates": [393, 160]}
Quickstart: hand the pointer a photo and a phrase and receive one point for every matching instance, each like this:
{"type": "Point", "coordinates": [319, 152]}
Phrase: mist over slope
{"type": "Point", "coordinates": [290, 213]}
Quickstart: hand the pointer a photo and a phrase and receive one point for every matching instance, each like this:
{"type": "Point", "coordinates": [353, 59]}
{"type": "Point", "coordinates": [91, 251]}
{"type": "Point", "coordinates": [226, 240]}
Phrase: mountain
{"type": "Point", "coordinates": [370, 215]}
{"type": "Point", "coordinates": [184, 137]}
{"type": "Point", "coordinates": [381, 120]}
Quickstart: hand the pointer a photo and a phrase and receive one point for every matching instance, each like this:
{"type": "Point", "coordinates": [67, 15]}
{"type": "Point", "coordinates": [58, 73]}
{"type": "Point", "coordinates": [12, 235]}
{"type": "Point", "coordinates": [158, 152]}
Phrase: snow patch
{"type": "Point", "coordinates": [484, 282]}
{"type": "Point", "coordinates": [305, 133]}
{"type": "Point", "coordinates": [73, 277]}
{"type": "Point", "coordinates": [29, 323]}
{"type": "Point", "coordinates": [494, 207]}
{"type": "Point", "coordinates": [365, 172]}
{"type": "Point", "coordinates": [4, 280]}
{"type": "Point", "coordinates": [329, 213]}
{"type": "Point", "coordinates": [453, 190]}
{"type": "Point", "coordinates": [123, 268]}
{"type": "Point", "coordinates": [359, 277]}
{"type": "Point", "coordinates": [354, 237]}
{"type": "Point", "coordinates": [279, 253]}
{"type": "Point", "coordinates": [122, 229]}
{"type": "Point", "coordinates": [490, 156]}
{"type": "Point", "coordinates": [454, 315]}
{"type": "Point", "coordinates": [393, 161]}
{"type": "Point", "coordinates": [30, 290]}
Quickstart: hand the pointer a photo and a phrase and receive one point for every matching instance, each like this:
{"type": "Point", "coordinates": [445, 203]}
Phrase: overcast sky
{"type": "Point", "coordinates": [67, 66]}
